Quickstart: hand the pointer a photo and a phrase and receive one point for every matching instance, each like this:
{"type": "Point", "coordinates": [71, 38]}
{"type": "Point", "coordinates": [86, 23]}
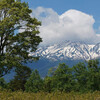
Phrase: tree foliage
{"type": "Point", "coordinates": [3, 83]}
{"type": "Point", "coordinates": [59, 80]}
{"type": "Point", "coordinates": [22, 74]}
{"type": "Point", "coordinates": [82, 77]}
{"type": "Point", "coordinates": [34, 83]}
{"type": "Point", "coordinates": [93, 75]}
{"type": "Point", "coordinates": [18, 34]}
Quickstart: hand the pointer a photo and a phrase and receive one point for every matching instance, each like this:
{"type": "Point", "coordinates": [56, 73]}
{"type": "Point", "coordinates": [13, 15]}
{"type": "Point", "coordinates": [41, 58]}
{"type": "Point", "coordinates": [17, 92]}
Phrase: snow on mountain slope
{"type": "Point", "coordinates": [69, 50]}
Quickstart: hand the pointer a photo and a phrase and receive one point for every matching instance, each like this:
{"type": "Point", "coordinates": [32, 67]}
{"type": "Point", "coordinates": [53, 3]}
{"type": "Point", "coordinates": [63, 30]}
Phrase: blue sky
{"type": "Point", "coordinates": [89, 7]}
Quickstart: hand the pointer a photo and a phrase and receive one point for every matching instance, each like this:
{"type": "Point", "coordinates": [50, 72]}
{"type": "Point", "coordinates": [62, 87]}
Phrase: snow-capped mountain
{"type": "Point", "coordinates": [66, 52]}
{"type": "Point", "coordinates": [69, 50]}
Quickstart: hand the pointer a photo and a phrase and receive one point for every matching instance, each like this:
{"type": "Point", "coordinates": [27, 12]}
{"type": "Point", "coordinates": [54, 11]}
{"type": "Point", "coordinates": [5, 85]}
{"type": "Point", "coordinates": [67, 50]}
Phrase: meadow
{"type": "Point", "coordinates": [19, 95]}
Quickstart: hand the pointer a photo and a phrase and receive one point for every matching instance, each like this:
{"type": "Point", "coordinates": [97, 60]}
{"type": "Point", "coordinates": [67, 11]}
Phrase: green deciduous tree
{"type": "Point", "coordinates": [48, 85]}
{"type": "Point", "coordinates": [60, 80]}
{"type": "Point", "coordinates": [63, 78]}
{"type": "Point", "coordinates": [93, 75]}
{"type": "Point", "coordinates": [87, 76]}
{"type": "Point", "coordinates": [3, 83]}
{"type": "Point", "coordinates": [80, 74]}
{"type": "Point", "coordinates": [82, 77]}
{"type": "Point", "coordinates": [22, 74]}
{"type": "Point", "coordinates": [34, 83]}
{"type": "Point", "coordinates": [18, 35]}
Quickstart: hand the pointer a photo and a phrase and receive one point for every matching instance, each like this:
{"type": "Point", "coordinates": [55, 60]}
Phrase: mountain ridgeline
{"type": "Point", "coordinates": [69, 50]}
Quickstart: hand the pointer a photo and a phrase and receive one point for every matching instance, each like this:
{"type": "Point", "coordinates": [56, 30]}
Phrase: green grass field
{"type": "Point", "coordinates": [4, 95]}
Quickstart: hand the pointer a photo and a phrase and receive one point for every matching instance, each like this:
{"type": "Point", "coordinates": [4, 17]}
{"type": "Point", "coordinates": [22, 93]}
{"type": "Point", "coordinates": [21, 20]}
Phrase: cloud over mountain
{"type": "Point", "coordinates": [72, 25]}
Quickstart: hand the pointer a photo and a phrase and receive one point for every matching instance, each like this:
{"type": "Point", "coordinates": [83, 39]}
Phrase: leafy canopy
{"type": "Point", "coordinates": [18, 34]}
{"type": "Point", "coordinates": [22, 74]}
{"type": "Point", "coordinates": [34, 83]}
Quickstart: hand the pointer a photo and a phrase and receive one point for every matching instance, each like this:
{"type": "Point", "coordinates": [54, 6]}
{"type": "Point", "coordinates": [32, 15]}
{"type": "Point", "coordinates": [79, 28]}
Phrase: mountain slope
{"type": "Point", "coordinates": [69, 50]}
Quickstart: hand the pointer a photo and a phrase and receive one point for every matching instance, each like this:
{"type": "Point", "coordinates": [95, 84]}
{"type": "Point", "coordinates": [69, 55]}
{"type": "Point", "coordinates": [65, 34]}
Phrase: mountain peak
{"type": "Point", "coordinates": [69, 50]}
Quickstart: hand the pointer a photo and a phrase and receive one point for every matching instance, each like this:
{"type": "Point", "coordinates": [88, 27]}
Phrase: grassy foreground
{"type": "Point", "coordinates": [48, 96]}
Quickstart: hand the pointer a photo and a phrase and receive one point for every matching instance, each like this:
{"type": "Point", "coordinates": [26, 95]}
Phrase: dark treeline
{"type": "Point", "coordinates": [82, 77]}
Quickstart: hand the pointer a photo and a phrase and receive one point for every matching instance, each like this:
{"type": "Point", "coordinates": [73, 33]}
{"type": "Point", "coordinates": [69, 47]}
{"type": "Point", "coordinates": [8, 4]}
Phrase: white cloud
{"type": "Point", "coordinates": [72, 25]}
